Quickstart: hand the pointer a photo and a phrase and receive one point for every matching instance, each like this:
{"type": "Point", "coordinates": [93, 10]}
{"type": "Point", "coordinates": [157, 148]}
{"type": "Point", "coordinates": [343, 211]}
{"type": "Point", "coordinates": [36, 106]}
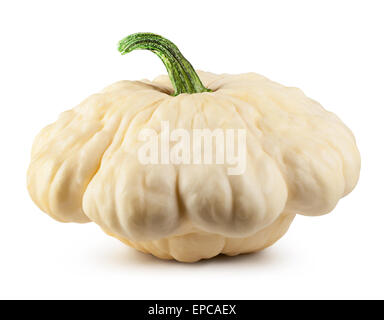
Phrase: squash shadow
{"type": "Point", "coordinates": [130, 258]}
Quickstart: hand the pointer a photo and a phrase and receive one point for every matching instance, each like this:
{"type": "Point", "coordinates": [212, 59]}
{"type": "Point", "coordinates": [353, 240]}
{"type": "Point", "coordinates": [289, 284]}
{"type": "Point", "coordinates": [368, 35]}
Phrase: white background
{"type": "Point", "coordinates": [54, 54]}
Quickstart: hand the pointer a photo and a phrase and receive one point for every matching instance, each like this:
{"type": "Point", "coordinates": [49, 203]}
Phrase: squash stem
{"type": "Point", "coordinates": [183, 77]}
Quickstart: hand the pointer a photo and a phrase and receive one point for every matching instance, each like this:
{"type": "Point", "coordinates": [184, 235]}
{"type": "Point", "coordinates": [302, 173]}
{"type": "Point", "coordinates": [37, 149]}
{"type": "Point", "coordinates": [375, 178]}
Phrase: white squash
{"type": "Point", "coordinates": [300, 159]}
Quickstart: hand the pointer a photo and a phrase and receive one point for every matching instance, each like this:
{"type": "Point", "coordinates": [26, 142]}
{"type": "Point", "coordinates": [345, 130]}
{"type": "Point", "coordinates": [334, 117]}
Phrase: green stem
{"type": "Point", "coordinates": [183, 77]}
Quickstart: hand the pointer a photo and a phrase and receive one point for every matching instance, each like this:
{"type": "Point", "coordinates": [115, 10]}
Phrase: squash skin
{"type": "Point", "coordinates": [301, 160]}
{"type": "Point", "coordinates": [197, 245]}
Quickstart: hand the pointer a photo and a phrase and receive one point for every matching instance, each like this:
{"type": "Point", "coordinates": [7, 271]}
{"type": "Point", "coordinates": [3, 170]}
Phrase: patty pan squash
{"type": "Point", "coordinates": [301, 159]}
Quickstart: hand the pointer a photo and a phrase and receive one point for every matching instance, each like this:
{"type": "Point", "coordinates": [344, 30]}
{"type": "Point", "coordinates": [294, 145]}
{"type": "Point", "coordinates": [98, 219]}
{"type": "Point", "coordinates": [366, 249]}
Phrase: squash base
{"type": "Point", "coordinates": [197, 245]}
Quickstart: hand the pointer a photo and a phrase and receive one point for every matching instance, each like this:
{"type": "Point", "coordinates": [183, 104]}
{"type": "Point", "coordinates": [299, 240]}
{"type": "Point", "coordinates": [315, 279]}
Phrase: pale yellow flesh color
{"type": "Point", "coordinates": [197, 245]}
{"type": "Point", "coordinates": [301, 159]}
